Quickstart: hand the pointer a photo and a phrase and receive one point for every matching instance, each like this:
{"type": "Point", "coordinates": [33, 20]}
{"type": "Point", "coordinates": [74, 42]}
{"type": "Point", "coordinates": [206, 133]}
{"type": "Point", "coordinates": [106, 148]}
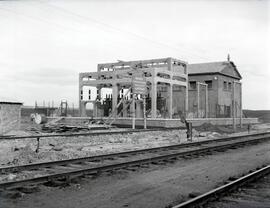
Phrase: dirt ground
{"type": "Point", "coordinates": [15, 152]}
{"type": "Point", "coordinates": [157, 186]}
{"type": "Point", "coordinates": [252, 195]}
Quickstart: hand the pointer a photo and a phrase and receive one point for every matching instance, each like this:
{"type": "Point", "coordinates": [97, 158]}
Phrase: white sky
{"type": "Point", "coordinates": [45, 44]}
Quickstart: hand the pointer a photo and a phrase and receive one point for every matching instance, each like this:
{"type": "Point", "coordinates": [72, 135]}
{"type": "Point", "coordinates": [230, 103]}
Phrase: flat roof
{"type": "Point", "coordinates": [11, 103]}
{"type": "Point", "coordinates": [6, 100]}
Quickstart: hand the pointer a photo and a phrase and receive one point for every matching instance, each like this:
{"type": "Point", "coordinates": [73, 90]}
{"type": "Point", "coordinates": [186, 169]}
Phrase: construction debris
{"type": "Point", "coordinates": [59, 128]}
{"type": "Point", "coordinates": [38, 118]}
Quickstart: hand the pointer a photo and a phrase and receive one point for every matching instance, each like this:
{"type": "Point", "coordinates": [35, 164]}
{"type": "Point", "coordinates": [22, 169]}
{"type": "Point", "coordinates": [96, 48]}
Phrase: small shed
{"type": "Point", "coordinates": [10, 115]}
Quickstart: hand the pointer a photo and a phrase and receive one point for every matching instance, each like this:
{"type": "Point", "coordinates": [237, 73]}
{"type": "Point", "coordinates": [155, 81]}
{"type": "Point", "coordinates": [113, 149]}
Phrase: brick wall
{"type": "Point", "coordinates": [10, 117]}
{"type": "Point", "coordinates": [212, 96]}
{"type": "Point", "coordinates": [225, 95]}
{"type": "Point", "coordinates": [217, 96]}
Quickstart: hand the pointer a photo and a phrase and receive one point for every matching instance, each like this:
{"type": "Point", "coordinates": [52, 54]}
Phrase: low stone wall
{"type": "Point", "coordinates": [155, 123]}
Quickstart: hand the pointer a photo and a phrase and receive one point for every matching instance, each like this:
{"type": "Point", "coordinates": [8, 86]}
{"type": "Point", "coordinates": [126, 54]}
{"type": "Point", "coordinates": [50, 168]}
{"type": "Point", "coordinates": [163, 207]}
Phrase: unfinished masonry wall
{"type": "Point", "coordinates": [10, 117]}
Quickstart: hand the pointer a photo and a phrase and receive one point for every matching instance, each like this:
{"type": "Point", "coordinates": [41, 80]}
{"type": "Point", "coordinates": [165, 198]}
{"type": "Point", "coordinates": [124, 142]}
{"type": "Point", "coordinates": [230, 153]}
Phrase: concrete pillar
{"type": "Point", "coordinates": [154, 99]}
{"type": "Point", "coordinates": [98, 92]}
{"type": "Point", "coordinates": [80, 96]}
{"type": "Point", "coordinates": [186, 101]}
{"type": "Point", "coordinates": [139, 109]}
{"type": "Point", "coordinates": [233, 105]}
{"type": "Point", "coordinates": [198, 99]}
{"type": "Point", "coordinates": [20, 117]}
{"type": "Point", "coordinates": [96, 109]}
{"type": "Point", "coordinates": [114, 98]}
{"type": "Point", "coordinates": [169, 62]}
{"type": "Point", "coordinates": [206, 102]}
{"type": "Point", "coordinates": [125, 109]}
{"type": "Point", "coordinates": [133, 111]}
{"type": "Point", "coordinates": [83, 109]}
{"type": "Point", "coordinates": [170, 100]}
{"type": "Point", "coordinates": [241, 115]}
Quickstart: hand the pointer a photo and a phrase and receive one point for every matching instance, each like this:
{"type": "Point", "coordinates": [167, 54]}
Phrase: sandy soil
{"type": "Point", "coordinates": [157, 186]}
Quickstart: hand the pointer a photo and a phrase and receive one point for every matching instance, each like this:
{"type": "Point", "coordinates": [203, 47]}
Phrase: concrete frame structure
{"type": "Point", "coordinates": [168, 72]}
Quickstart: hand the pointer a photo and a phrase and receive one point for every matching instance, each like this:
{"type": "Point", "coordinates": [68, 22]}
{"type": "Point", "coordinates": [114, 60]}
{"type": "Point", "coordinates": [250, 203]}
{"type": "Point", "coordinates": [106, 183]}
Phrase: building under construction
{"type": "Point", "coordinates": [166, 88]}
{"type": "Point", "coordinates": [173, 88]}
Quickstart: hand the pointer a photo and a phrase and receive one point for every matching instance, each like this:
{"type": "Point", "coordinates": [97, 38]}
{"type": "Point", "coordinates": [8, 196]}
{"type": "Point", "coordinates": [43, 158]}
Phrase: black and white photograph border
{"type": "Point", "coordinates": [125, 103]}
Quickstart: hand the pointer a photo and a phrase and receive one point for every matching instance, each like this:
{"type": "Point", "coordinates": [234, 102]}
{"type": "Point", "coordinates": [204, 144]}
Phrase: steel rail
{"type": "Point", "coordinates": [86, 134]}
{"type": "Point", "coordinates": [208, 196]}
{"type": "Point", "coordinates": [132, 152]}
{"type": "Point", "coordinates": [95, 170]}
{"type": "Point", "coordinates": [98, 133]}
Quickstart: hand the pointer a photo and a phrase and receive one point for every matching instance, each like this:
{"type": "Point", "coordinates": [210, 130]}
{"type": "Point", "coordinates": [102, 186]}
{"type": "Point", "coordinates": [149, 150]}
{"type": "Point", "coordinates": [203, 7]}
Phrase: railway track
{"type": "Point", "coordinates": [33, 166]}
{"type": "Point", "coordinates": [68, 169]}
{"type": "Point", "coordinates": [96, 133]}
{"type": "Point", "coordinates": [251, 195]}
{"type": "Point", "coordinates": [207, 198]}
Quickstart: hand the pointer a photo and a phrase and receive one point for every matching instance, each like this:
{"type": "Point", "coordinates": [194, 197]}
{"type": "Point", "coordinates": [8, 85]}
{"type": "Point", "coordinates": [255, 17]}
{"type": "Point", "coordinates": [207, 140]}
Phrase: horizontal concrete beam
{"type": "Point", "coordinates": [169, 81]}
{"type": "Point", "coordinates": [143, 62]}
